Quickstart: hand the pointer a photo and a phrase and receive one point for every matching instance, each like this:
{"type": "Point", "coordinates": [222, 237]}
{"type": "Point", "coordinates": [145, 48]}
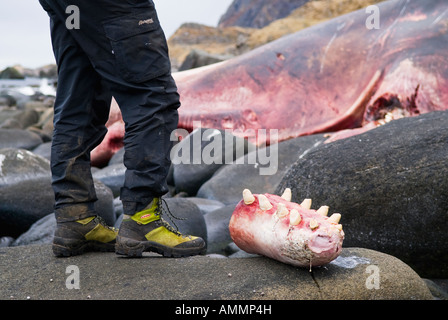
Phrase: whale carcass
{"type": "Point", "coordinates": [341, 74]}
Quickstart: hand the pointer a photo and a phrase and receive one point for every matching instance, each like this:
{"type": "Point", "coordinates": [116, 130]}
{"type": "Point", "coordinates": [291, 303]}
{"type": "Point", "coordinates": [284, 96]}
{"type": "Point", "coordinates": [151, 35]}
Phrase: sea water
{"type": "Point", "coordinates": [29, 86]}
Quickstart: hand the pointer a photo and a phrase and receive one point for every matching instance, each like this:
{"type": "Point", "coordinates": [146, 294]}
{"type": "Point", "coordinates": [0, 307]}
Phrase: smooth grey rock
{"type": "Point", "coordinates": [43, 150]}
{"type": "Point", "coordinates": [26, 194]}
{"type": "Point", "coordinates": [117, 157]}
{"type": "Point", "coordinates": [21, 120]}
{"type": "Point", "coordinates": [41, 232]}
{"type": "Point", "coordinates": [228, 183]}
{"type": "Point", "coordinates": [106, 276]}
{"type": "Point", "coordinates": [18, 138]}
{"type": "Point", "coordinates": [19, 164]}
{"type": "Point", "coordinates": [191, 221]}
{"type": "Point", "coordinates": [206, 205]}
{"type": "Point", "coordinates": [218, 233]}
{"type": "Point", "coordinates": [112, 176]}
{"type": "Point", "coordinates": [6, 241]}
{"type": "Point", "coordinates": [199, 155]}
{"type": "Point", "coordinates": [25, 202]}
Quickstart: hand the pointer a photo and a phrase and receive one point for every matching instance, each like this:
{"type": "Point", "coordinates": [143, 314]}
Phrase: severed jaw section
{"type": "Point", "coordinates": [295, 234]}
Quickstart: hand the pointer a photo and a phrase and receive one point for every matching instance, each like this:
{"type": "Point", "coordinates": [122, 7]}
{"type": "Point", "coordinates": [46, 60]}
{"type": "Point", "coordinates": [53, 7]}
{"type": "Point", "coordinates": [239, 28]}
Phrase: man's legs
{"type": "Point", "coordinates": [127, 49]}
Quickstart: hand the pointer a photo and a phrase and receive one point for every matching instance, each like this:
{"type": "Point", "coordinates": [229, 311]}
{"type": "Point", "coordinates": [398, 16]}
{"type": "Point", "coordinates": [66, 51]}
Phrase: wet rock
{"type": "Point", "coordinates": [18, 138]}
{"type": "Point", "coordinates": [44, 127]}
{"type": "Point", "coordinates": [6, 100]}
{"type": "Point", "coordinates": [43, 150]}
{"type": "Point", "coordinates": [26, 194]}
{"type": "Point", "coordinates": [117, 157]}
{"type": "Point", "coordinates": [6, 241]}
{"type": "Point", "coordinates": [206, 205]}
{"type": "Point", "coordinates": [112, 176]}
{"type": "Point", "coordinates": [390, 186]}
{"type": "Point", "coordinates": [218, 233]}
{"type": "Point", "coordinates": [8, 113]}
{"type": "Point", "coordinates": [198, 156]}
{"type": "Point", "coordinates": [21, 120]}
{"type": "Point", "coordinates": [41, 232]}
{"type": "Point", "coordinates": [25, 202]}
{"type": "Point", "coordinates": [352, 277]}
{"type": "Point", "coordinates": [228, 183]}
{"type": "Point", "coordinates": [15, 98]}
{"type": "Point", "coordinates": [19, 164]}
{"type": "Point", "coordinates": [191, 220]}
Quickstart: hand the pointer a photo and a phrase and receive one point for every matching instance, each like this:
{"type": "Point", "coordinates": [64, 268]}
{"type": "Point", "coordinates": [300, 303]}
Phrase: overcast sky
{"type": "Point", "coordinates": [25, 37]}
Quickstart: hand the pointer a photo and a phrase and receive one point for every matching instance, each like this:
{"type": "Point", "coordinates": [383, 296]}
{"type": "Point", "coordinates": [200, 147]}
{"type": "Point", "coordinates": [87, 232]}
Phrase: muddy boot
{"type": "Point", "coordinates": [146, 231]}
{"type": "Point", "coordinates": [77, 237]}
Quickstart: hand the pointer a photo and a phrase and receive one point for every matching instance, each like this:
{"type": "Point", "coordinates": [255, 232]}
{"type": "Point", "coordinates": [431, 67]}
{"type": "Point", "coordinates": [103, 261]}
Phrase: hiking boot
{"type": "Point", "coordinates": [146, 231]}
{"type": "Point", "coordinates": [77, 237]}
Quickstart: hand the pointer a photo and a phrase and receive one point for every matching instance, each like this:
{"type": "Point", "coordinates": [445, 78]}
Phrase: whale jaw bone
{"type": "Point", "coordinates": [292, 233]}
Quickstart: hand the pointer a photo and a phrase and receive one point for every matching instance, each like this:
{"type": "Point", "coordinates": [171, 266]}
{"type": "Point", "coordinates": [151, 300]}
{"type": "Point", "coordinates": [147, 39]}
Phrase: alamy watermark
{"type": "Point", "coordinates": [373, 20]}
{"type": "Point", "coordinates": [373, 280]}
{"type": "Point", "coordinates": [73, 21]}
{"type": "Point", "coordinates": [73, 280]}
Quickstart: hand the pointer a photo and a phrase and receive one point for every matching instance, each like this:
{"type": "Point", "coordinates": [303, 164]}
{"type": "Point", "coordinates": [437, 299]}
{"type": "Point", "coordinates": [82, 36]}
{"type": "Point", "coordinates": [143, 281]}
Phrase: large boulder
{"type": "Point", "coordinates": [19, 138]}
{"type": "Point", "coordinates": [112, 176]}
{"type": "Point", "coordinates": [40, 232]}
{"type": "Point", "coordinates": [358, 274]}
{"type": "Point", "coordinates": [228, 183]}
{"type": "Point", "coordinates": [218, 234]}
{"type": "Point", "coordinates": [199, 155]}
{"type": "Point", "coordinates": [185, 216]}
{"type": "Point", "coordinates": [390, 185]}
{"type": "Point", "coordinates": [26, 194]}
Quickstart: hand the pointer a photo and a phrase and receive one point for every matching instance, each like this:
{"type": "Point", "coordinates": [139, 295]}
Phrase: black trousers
{"type": "Point", "coordinates": [118, 50]}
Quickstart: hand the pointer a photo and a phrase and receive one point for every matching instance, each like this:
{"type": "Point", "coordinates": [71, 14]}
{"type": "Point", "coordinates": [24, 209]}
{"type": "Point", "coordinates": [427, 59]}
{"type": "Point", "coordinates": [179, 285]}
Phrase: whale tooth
{"type": "Point", "coordinates": [294, 217]}
{"type": "Point", "coordinates": [287, 194]}
{"type": "Point", "coordinates": [323, 210]}
{"type": "Point", "coordinates": [306, 203]}
{"type": "Point", "coordinates": [335, 218]}
{"type": "Point", "coordinates": [248, 197]}
{"type": "Point", "coordinates": [264, 202]}
{"type": "Point", "coordinates": [313, 224]}
{"type": "Point", "coordinates": [282, 211]}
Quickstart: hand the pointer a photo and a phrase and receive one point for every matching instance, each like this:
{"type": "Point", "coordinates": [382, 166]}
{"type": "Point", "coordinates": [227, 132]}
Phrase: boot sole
{"type": "Point", "coordinates": [133, 248]}
{"type": "Point", "coordinates": [80, 247]}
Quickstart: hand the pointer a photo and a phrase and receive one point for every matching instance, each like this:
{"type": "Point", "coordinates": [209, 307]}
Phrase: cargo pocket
{"type": "Point", "coordinates": [139, 46]}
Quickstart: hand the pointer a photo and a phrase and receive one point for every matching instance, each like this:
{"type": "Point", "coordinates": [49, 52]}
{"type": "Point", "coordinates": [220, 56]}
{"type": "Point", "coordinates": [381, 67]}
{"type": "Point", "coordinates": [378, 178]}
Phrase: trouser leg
{"type": "Point", "coordinates": [150, 114]}
{"type": "Point", "coordinates": [80, 112]}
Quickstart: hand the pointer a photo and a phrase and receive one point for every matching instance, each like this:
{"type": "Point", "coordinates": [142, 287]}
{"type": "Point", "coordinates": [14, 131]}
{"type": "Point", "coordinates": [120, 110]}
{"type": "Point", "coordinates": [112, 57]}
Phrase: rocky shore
{"type": "Point", "coordinates": [388, 183]}
{"type": "Point", "coordinates": [106, 276]}
{"type": "Point", "coordinates": [407, 223]}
